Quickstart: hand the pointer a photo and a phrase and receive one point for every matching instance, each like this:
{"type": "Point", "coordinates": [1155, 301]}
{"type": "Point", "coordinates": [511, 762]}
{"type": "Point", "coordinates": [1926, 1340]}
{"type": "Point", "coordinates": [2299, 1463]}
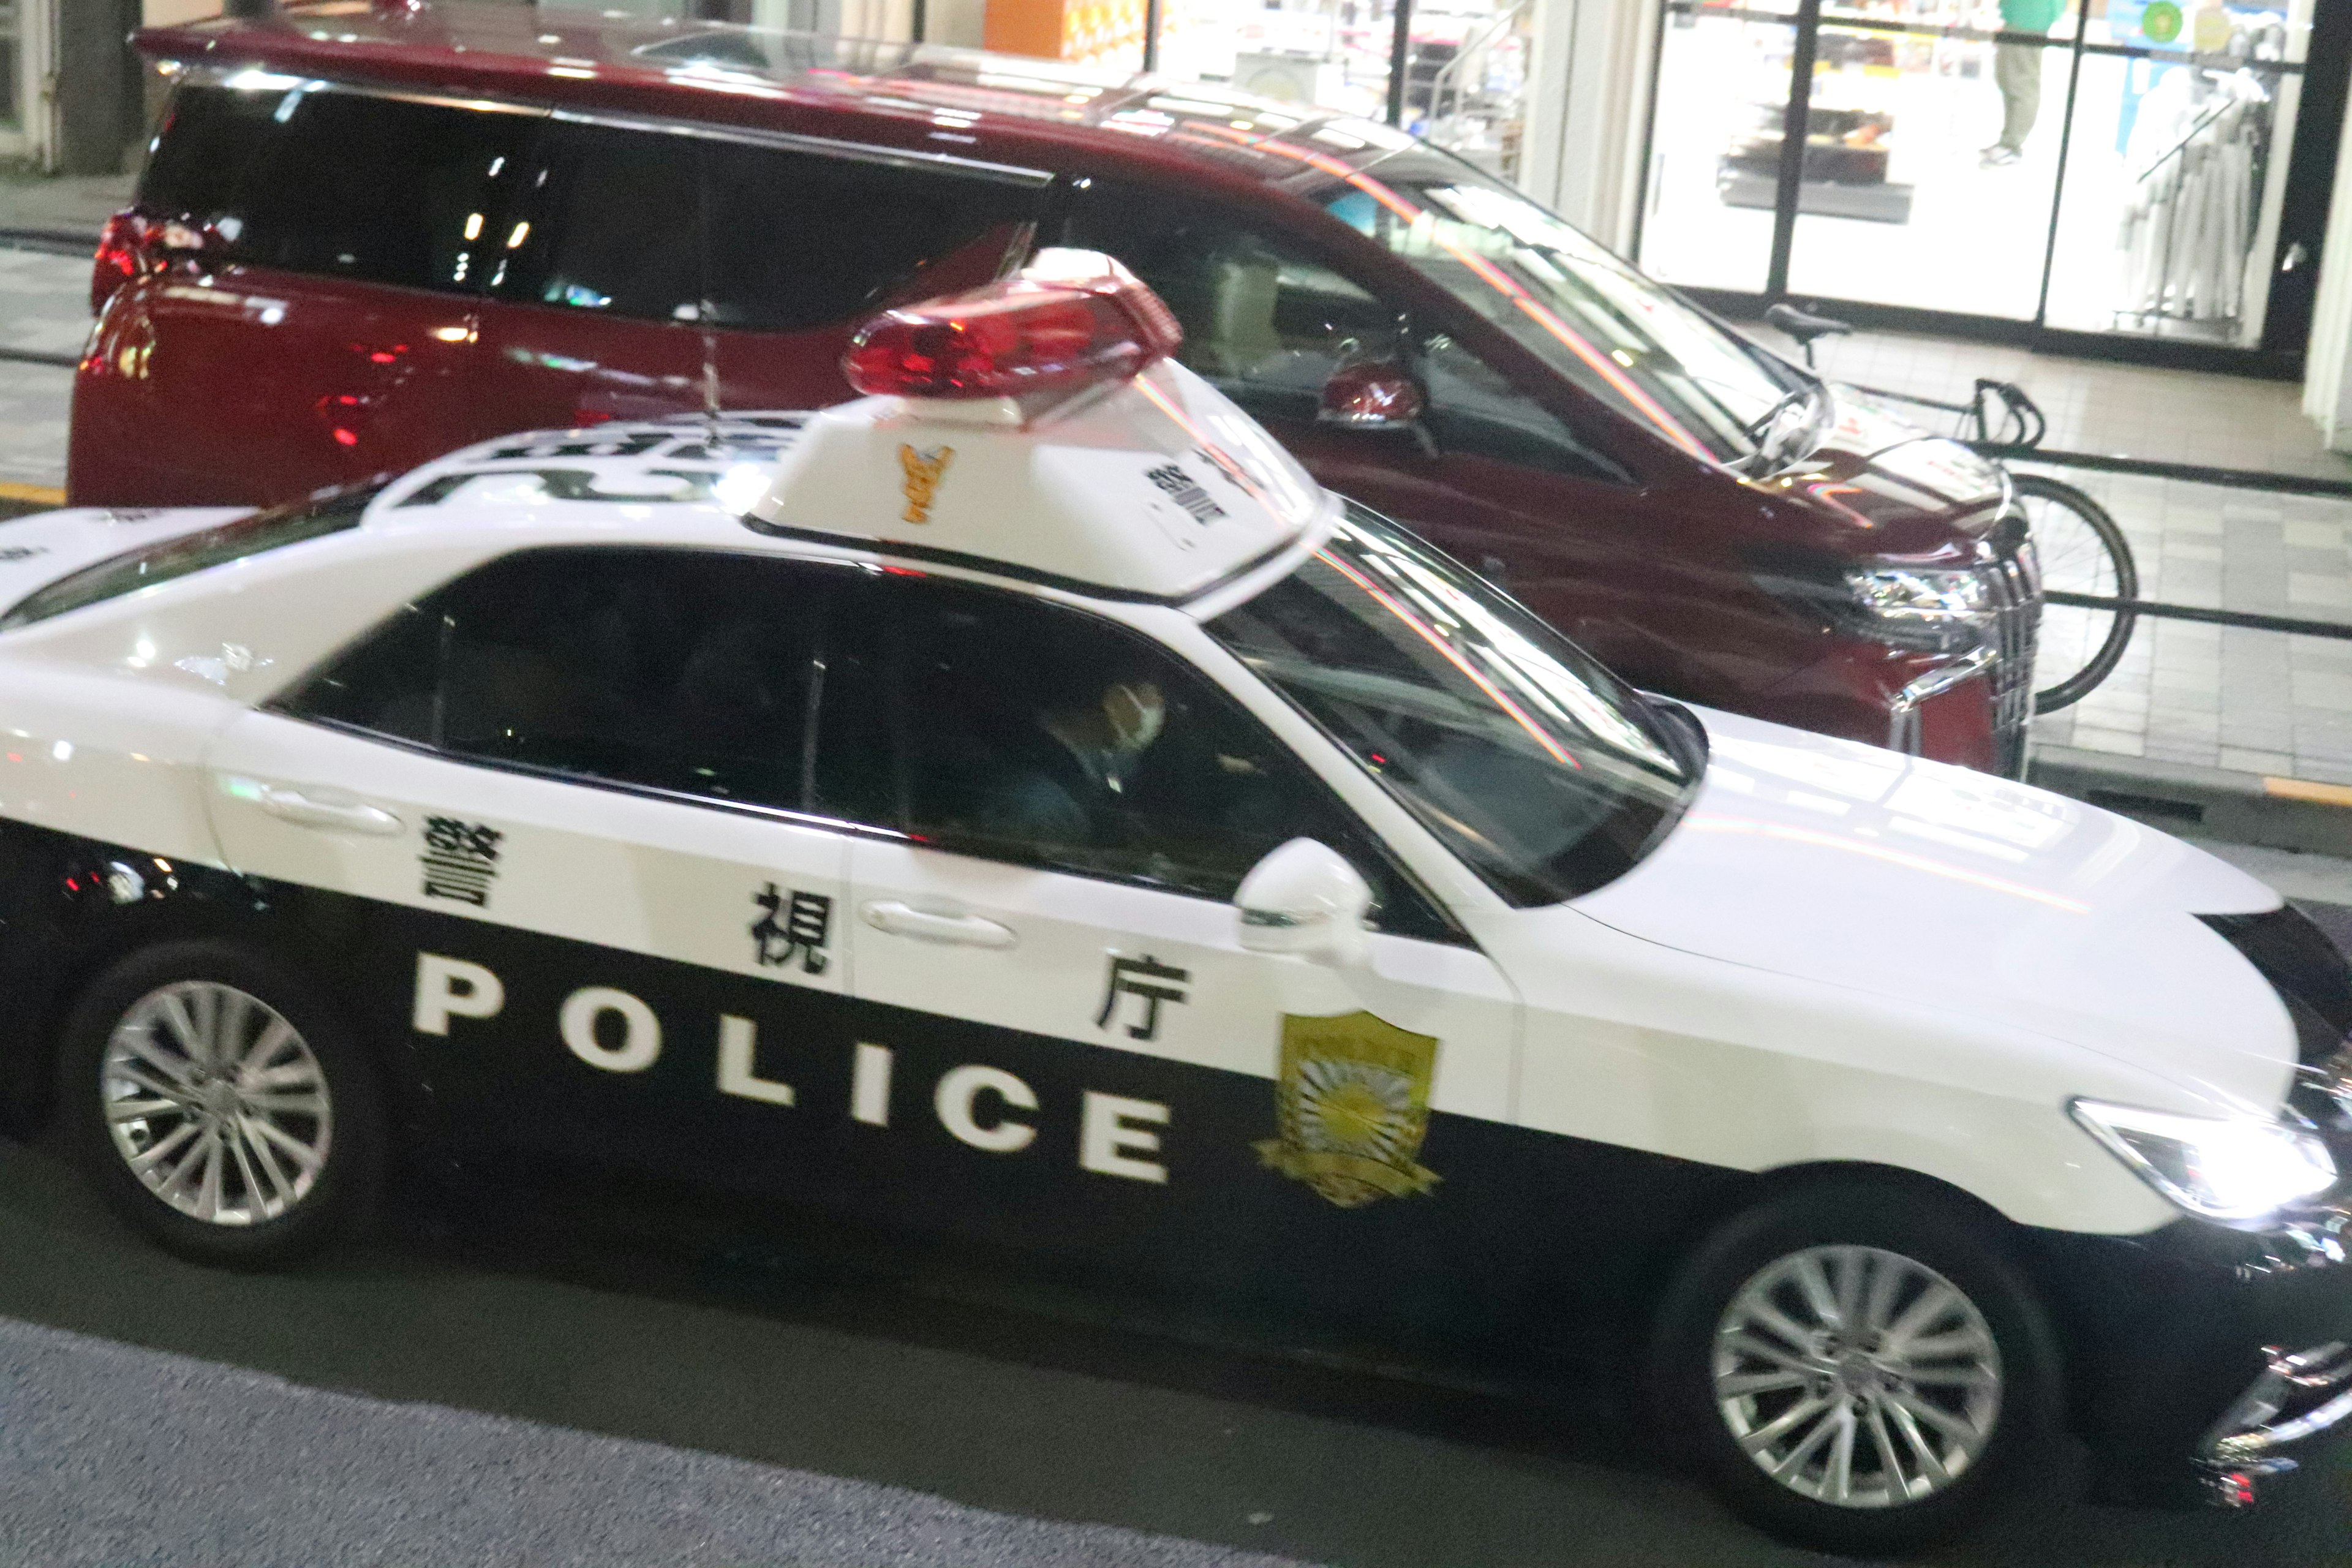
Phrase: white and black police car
{"type": "Point", "coordinates": [1019, 812]}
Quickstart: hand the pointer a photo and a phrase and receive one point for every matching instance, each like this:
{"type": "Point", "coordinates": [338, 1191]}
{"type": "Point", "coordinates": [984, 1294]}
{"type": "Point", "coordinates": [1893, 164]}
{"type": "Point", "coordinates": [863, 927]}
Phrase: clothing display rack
{"type": "Point", "coordinates": [2189, 221]}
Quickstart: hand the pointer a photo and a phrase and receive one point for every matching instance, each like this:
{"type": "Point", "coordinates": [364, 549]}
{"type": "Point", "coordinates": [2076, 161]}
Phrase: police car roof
{"type": "Point", "coordinates": [723, 462]}
{"type": "Point", "coordinates": [1156, 489]}
{"type": "Point", "coordinates": [1151, 486]}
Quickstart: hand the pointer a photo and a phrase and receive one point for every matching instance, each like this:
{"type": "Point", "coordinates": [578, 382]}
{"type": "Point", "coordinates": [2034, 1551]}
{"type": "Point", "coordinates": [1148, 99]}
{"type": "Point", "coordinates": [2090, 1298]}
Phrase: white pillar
{"type": "Point", "coordinates": [2327, 369]}
{"type": "Point", "coordinates": [1589, 111]}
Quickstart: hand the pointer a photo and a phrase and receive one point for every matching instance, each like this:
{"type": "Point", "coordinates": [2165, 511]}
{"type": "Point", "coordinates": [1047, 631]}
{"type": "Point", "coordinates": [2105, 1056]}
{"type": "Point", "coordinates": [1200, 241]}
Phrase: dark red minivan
{"type": "Point", "coordinates": [364, 237]}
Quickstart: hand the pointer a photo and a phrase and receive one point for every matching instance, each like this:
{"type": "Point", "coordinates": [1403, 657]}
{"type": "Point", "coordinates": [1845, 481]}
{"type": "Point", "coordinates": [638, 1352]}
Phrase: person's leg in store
{"type": "Point", "coordinates": [2017, 71]}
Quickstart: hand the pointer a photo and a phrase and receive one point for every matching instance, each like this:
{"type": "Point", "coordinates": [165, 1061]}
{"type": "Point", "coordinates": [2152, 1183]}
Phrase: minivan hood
{"type": "Point", "coordinates": [1867, 869]}
{"type": "Point", "coordinates": [37, 549]}
{"type": "Point", "coordinates": [1887, 475]}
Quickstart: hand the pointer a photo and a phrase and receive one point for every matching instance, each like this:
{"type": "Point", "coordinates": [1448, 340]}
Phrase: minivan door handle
{"type": "Point", "coordinates": [335, 816]}
{"type": "Point", "coordinates": [962, 931]}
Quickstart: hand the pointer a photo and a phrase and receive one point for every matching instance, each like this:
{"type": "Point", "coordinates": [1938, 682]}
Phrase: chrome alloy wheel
{"type": "Point", "coordinates": [1857, 1377]}
{"type": "Point", "coordinates": [216, 1103]}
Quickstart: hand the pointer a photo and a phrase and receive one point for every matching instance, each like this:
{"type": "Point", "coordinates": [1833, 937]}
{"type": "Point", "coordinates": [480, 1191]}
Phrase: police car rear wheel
{"type": "Point", "coordinates": [1857, 1368]}
{"type": "Point", "coordinates": [220, 1105]}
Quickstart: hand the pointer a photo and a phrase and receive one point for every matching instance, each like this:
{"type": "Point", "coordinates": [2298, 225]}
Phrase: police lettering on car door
{"type": "Point", "coordinates": [978, 1105]}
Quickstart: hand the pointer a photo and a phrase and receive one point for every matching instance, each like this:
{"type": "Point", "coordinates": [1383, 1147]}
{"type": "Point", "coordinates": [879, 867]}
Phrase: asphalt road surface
{"type": "Point", "coordinates": [421, 1400]}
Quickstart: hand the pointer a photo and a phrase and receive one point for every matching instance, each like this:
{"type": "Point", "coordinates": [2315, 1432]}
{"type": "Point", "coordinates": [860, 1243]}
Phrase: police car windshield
{"type": "Point", "coordinates": [1613, 332]}
{"type": "Point", "coordinates": [1541, 769]}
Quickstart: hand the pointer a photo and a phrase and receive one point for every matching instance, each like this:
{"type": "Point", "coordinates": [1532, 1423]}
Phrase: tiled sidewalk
{"type": "Point", "coordinates": [2178, 416]}
{"type": "Point", "coordinates": [2247, 701]}
{"type": "Point", "coordinates": [2244, 702]}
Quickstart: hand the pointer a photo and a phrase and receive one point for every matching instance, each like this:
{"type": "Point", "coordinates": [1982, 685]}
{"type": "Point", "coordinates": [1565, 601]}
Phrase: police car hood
{"type": "Point", "coordinates": [37, 551]}
{"type": "Point", "coordinates": [1863, 869]}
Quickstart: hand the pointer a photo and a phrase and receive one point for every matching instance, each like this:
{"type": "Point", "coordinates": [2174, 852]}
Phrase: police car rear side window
{"type": "Point", "coordinates": [167, 559]}
{"type": "Point", "coordinates": [687, 672]}
{"type": "Point", "coordinates": [1534, 764]}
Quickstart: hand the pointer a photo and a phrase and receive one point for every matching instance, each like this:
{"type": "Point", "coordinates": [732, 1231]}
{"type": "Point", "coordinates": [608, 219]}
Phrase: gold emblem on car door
{"type": "Point", "coordinates": [1352, 1106]}
{"type": "Point", "coordinates": [924, 471]}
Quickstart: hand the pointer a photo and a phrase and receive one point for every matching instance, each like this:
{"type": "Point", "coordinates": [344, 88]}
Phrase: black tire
{"type": "Point", "coordinates": [2081, 551]}
{"type": "Point", "coordinates": [267, 1209]}
{"type": "Point", "coordinates": [1951, 1246]}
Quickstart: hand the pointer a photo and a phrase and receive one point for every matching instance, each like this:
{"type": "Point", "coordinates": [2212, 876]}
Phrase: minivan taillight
{"type": "Point", "coordinates": [122, 257]}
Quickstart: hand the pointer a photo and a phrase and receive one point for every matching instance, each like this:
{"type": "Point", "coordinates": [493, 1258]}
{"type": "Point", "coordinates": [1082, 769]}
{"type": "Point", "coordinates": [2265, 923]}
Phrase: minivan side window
{"type": "Point", "coordinates": [797, 240]}
{"type": "Point", "coordinates": [1262, 319]}
{"type": "Point", "coordinates": [1268, 323]}
{"type": "Point", "coordinates": [616, 219]}
{"type": "Point", "coordinates": [666, 225]}
{"type": "Point", "coordinates": [689, 672]}
{"type": "Point", "coordinates": [338, 183]}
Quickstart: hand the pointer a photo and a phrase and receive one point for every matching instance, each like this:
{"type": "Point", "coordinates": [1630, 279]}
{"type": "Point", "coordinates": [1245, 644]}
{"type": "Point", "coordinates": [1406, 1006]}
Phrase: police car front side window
{"type": "Point", "coordinates": [689, 672]}
{"type": "Point", "coordinates": [1534, 764]}
{"type": "Point", "coordinates": [1036, 734]}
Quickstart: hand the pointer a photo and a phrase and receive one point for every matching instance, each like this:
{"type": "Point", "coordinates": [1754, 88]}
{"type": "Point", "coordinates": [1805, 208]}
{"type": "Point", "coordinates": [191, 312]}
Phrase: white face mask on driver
{"type": "Point", "coordinates": [1113, 735]}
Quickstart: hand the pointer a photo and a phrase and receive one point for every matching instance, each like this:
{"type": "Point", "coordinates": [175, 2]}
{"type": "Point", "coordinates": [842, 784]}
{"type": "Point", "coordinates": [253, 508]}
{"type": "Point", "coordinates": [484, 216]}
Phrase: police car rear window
{"type": "Point", "coordinates": [167, 559]}
{"type": "Point", "coordinates": [1546, 775]}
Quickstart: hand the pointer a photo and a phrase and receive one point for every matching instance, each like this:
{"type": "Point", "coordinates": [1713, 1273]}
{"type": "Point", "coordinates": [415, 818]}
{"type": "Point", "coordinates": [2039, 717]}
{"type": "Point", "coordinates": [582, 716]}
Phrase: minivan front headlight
{"type": "Point", "coordinates": [1929, 609]}
{"type": "Point", "coordinates": [1937, 611]}
{"type": "Point", "coordinates": [2214, 1167]}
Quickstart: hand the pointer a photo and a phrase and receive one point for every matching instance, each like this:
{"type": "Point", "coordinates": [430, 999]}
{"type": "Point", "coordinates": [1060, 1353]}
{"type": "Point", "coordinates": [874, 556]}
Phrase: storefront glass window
{"type": "Point", "coordinates": [1335, 54]}
{"type": "Point", "coordinates": [1466, 63]}
{"type": "Point", "coordinates": [1934, 155]}
{"type": "Point", "coordinates": [2104, 166]}
{"type": "Point", "coordinates": [2176, 170]}
{"type": "Point", "coordinates": [1714, 142]}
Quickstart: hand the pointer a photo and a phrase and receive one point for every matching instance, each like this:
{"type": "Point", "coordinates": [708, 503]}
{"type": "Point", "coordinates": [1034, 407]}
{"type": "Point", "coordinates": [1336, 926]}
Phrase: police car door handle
{"type": "Point", "coordinates": [964, 931]}
{"type": "Point", "coordinates": [345, 816]}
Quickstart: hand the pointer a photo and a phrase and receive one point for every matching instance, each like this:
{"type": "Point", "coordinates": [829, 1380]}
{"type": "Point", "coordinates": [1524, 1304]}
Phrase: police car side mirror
{"type": "Point", "coordinates": [1304, 901]}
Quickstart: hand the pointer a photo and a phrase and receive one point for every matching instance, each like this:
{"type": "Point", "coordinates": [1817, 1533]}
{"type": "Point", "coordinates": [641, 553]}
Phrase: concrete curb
{"type": "Point", "coordinates": [2208, 803]}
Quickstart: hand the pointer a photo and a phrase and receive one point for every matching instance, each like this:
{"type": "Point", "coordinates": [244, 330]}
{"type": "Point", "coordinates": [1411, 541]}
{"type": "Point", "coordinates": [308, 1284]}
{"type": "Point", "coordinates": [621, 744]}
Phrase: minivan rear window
{"type": "Point", "coordinates": [339, 182]}
{"type": "Point", "coordinates": [167, 559]}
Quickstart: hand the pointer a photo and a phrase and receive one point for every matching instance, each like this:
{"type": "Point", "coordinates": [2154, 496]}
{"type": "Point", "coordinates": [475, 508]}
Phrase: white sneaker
{"type": "Point", "coordinates": [1999, 156]}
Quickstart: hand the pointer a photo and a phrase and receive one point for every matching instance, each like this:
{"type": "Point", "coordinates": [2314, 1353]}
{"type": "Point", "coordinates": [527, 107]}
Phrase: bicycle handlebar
{"type": "Point", "coordinates": [2022, 423]}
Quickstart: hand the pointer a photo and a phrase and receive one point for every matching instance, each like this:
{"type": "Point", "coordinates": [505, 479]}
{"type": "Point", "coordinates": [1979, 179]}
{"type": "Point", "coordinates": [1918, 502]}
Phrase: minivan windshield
{"type": "Point", "coordinates": [1616, 333]}
{"type": "Point", "coordinates": [1542, 771]}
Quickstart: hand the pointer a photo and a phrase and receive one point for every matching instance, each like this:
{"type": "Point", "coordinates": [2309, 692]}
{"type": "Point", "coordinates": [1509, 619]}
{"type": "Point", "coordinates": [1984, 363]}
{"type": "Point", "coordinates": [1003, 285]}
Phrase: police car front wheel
{"type": "Point", "coordinates": [1855, 1368]}
{"type": "Point", "coordinates": [220, 1105]}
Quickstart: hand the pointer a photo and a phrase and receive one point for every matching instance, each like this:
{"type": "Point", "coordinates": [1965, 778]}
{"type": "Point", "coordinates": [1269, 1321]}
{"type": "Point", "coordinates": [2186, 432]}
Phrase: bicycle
{"type": "Point", "coordinates": [2084, 558]}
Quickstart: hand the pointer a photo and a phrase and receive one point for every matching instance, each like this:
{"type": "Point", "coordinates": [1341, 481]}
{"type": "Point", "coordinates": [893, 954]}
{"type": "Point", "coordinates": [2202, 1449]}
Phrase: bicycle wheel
{"type": "Point", "coordinates": [2083, 551]}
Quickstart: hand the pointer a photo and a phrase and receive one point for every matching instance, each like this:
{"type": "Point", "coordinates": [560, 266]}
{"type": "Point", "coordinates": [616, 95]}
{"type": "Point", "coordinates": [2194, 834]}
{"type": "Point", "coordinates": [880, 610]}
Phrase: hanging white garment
{"type": "Point", "coordinates": [2188, 219]}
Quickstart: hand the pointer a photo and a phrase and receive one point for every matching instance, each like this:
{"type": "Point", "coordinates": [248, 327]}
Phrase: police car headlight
{"type": "Point", "coordinates": [1935, 611]}
{"type": "Point", "coordinates": [2214, 1168]}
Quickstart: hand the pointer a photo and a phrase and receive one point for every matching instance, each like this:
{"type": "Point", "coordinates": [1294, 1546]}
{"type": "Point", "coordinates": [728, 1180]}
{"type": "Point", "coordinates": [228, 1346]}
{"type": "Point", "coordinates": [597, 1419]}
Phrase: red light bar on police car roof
{"type": "Point", "coordinates": [1070, 320]}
